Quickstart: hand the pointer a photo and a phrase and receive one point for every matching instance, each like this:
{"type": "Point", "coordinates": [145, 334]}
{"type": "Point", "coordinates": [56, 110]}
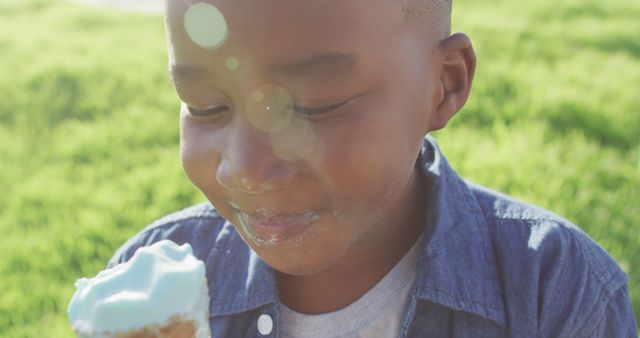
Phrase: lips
{"type": "Point", "coordinates": [269, 228]}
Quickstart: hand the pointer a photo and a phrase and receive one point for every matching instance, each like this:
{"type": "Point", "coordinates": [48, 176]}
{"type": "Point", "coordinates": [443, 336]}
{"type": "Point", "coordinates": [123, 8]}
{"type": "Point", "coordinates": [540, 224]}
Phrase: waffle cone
{"type": "Point", "coordinates": [176, 327]}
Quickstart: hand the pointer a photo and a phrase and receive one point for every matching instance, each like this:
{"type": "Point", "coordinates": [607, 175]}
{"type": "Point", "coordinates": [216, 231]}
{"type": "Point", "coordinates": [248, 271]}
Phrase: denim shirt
{"type": "Point", "coordinates": [490, 266]}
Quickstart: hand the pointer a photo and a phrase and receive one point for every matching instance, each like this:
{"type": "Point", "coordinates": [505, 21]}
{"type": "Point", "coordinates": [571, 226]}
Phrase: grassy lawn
{"type": "Point", "coordinates": [89, 138]}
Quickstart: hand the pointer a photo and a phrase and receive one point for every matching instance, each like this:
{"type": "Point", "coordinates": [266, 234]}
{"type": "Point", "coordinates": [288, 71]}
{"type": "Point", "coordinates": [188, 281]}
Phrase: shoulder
{"type": "Point", "coordinates": [549, 268]}
{"type": "Point", "coordinates": [200, 225]}
{"type": "Point", "coordinates": [540, 234]}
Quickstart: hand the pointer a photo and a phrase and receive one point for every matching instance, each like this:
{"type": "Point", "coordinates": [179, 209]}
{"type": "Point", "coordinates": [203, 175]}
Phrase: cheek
{"type": "Point", "coordinates": [365, 167]}
{"type": "Point", "coordinates": [199, 153]}
{"type": "Point", "coordinates": [382, 137]}
{"type": "Point", "coordinates": [372, 156]}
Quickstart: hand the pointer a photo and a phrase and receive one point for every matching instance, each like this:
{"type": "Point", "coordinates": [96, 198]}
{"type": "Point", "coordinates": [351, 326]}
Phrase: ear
{"type": "Point", "coordinates": [458, 67]}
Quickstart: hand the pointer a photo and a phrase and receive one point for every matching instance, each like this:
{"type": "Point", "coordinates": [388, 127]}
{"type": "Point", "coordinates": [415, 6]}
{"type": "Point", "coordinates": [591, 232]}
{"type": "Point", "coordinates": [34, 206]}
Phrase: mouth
{"type": "Point", "coordinates": [270, 228]}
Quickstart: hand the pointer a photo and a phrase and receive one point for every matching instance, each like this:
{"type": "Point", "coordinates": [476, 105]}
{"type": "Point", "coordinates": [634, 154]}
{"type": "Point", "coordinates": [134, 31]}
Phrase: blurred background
{"type": "Point", "coordinates": [89, 133]}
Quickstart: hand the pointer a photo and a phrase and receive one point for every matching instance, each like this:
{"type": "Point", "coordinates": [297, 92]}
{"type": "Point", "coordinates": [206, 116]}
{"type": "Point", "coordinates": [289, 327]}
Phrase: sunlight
{"type": "Point", "coordinates": [538, 234]}
{"type": "Point", "coordinates": [232, 63]}
{"type": "Point", "coordinates": [294, 143]}
{"type": "Point", "coordinates": [205, 25]}
{"type": "Point", "coordinates": [269, 108]}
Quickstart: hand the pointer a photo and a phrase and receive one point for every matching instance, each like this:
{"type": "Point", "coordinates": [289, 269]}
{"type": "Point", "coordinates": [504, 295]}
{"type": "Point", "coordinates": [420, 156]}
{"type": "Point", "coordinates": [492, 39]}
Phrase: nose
{"type": "Point", "coordinates": [249, 164]}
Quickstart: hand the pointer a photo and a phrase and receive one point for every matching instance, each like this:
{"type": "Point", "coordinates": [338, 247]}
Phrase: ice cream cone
{"type": "Point", "coordinates": [160, 293]}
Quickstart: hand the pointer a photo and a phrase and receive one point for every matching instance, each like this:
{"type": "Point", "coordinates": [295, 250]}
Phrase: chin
{"type": "Point", "coordinates": [301, 264]}
{"type": "Point", "coordinates": [302, 270]}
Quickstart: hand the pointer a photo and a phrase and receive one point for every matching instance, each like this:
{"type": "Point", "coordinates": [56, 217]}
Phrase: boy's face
{"type": "Point", "coordinates": [303, 127]}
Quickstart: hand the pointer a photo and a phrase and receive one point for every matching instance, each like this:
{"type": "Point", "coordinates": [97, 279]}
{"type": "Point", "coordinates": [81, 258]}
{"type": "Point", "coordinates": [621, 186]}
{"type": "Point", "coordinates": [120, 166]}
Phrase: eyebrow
{"type": "Point", "coordinates": [327, 66]}
{"type": "Point", "coordinates": [180, 72]}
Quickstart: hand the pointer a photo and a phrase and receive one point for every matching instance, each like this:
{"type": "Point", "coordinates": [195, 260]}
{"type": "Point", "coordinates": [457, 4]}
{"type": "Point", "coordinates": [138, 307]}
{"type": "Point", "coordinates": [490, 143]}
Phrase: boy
{"type": "Point", "coordinates": [331, 215]}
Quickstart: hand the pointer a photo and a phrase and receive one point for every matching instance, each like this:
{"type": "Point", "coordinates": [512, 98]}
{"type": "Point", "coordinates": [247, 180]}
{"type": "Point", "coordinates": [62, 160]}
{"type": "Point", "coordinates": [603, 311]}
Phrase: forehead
{"type": "Point", "coordinates": [286, 31]}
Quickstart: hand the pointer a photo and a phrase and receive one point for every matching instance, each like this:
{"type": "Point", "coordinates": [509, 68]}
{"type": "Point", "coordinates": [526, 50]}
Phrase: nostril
{"type": "Point", "coordinates": [255, 178]}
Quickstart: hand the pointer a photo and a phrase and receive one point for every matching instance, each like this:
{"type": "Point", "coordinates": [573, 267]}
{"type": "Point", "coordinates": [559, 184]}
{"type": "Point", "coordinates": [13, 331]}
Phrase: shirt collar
{"type": "Point", "coordinates": [457, 268]}
{"type": "Point", "coordinates": [238, 279]}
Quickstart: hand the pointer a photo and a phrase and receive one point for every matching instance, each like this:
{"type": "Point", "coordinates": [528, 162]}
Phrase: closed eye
{"type": "Point", "coordinates": [207, 112]}
{"type": "Point", "coordinates": [317, 110]}
{"type": "Point", "coordinates": [309, 111]}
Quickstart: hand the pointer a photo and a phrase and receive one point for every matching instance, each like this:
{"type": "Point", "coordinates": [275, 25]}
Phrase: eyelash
{"type": "Point", "coordinates": [317, 110]}
{"type": "Point", "coordinates": [312, 111]}
{"type": "Point", "coordinates": [207, 112]}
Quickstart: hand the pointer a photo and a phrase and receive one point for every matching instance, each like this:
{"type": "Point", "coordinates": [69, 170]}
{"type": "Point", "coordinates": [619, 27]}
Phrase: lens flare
{"type": "Point", "coordinates": [232, 63]}
{"type": "Point", "coordinates": [205, 25]}
{"type": "Point", "coordinates": [269, 108]}
{"type": "Point", "coordinates": [294, 143]}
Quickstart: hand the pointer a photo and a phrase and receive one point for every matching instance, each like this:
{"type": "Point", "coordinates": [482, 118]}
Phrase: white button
{"type": "Point", "coordinates": [265, 324]}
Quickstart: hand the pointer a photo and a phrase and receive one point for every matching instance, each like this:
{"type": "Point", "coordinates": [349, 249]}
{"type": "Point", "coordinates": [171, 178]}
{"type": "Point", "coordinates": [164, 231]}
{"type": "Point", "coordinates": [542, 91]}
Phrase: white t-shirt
{"type": "Point", "coordinates": [378, 313]}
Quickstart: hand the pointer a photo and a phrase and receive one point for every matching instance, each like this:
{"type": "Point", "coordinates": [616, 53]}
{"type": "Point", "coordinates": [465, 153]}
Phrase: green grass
{"type": "Point", "coordinates": [89, 138]}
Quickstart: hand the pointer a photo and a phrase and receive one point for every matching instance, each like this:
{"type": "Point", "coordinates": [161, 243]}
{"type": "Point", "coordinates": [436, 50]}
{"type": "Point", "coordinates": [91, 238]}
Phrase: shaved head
{"type": "Point", "coordinates": [431, 15]}
{"type": "Point", "coordinates": [284, 102]}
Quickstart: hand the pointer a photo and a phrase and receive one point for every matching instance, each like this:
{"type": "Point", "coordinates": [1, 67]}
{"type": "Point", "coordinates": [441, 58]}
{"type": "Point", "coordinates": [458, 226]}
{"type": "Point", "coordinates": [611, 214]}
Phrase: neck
{"type": "Point", "coordinates": [367, 261]}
